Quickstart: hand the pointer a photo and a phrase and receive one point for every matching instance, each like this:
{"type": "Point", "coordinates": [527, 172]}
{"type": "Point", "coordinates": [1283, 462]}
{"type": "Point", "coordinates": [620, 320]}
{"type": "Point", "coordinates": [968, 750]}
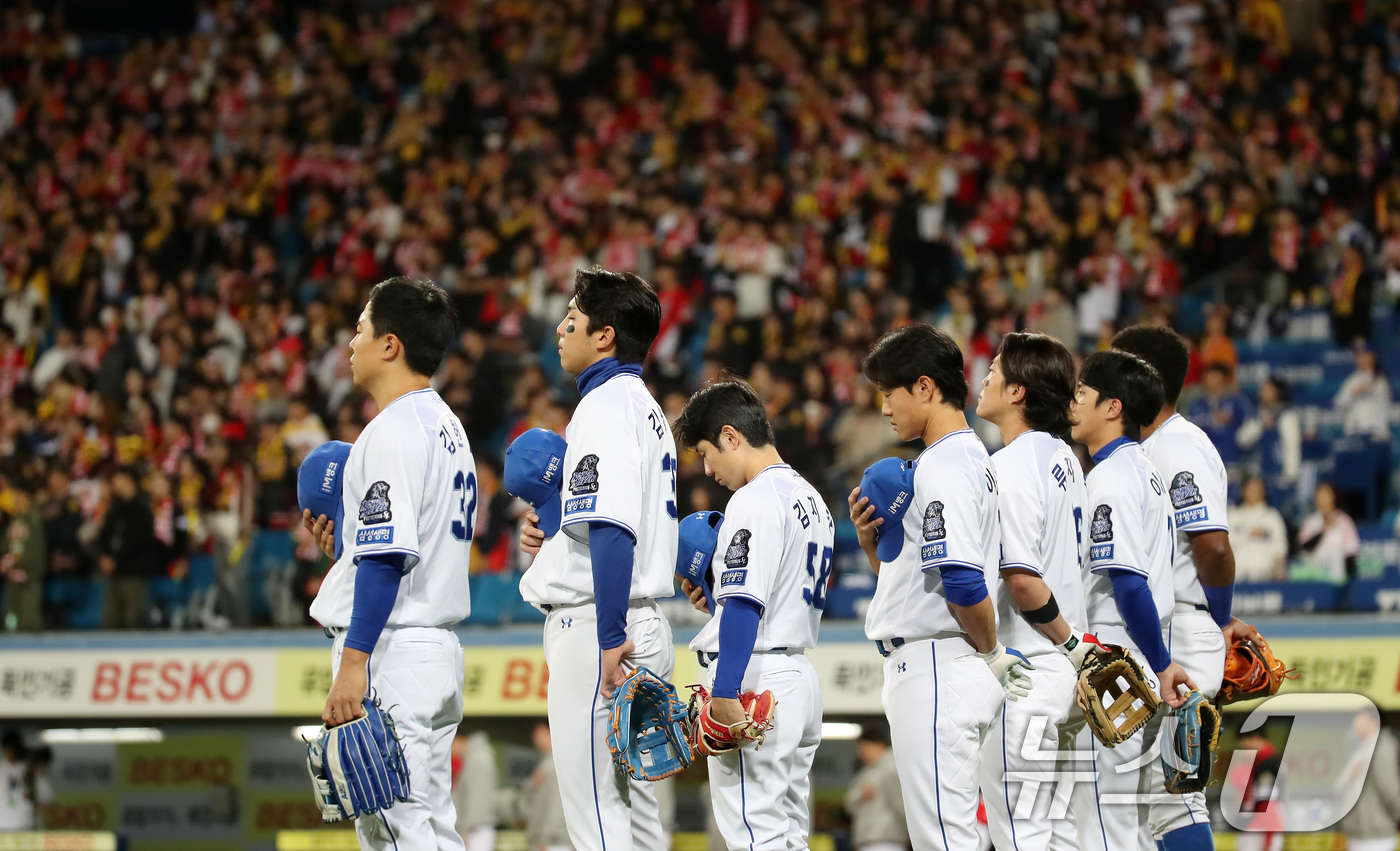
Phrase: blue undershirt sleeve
{"type": "Point", "coordinates": [963, 585]}
{"type": "Point", "coordinates": [738, 629]}
{"type": "Point", "coordinates": [611, 548]}
{"type": "Point", "coordinates": [1139, 613]}
{"type": "Point", "coordinates": [376, 588]}
{"type": "Point", "coordinates": [1219, 600]}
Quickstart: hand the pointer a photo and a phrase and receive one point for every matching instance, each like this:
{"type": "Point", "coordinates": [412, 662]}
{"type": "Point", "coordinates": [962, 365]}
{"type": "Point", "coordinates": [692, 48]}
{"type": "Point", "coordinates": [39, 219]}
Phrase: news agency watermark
{"type": "Point", "coordinates": [1306, 784]}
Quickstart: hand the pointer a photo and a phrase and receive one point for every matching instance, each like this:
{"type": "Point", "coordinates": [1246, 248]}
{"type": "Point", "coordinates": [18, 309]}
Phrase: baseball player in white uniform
{"type": "Point", "coordinates": [597, 577]}
{"type": "Point", "coordinates": [1127, 575]}
{"type": "Point", "coordinates": [408, 491]}
{"type": "Point", "coordinates": [776, 542]}
{"type": "Point", "coordinates": [933, 616]}
{"type": "Point", "coordinates": [1042, 501]}
{"type": "Point", "coordinates": [1203, 571]}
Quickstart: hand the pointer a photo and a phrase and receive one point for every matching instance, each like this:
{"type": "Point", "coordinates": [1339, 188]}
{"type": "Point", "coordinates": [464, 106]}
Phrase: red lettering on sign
{"type": "Point", "coordinates": [169, 682]}
{"type": "Point", "coordinates": [106, 686]}
{"type": "Point", "coordinates": [519, 677]}
{"type": "Point", "coordinates": [137, 679]}
{"type": "Point", "coordinates": [543, 692]}
{"type": "Point", "coordinates": [179, 771]}
{"type": "Point", "coordinates": [172, 681]}
{"type": "Point", "coordinates": [286, 815]}
{"type": "Point", "coordinates": [200, 679]}
{"type": "Point", "coordinates": [243, 676]}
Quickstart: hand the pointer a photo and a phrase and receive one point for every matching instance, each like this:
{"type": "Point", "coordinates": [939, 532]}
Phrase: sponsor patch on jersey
{"type": "Point", "coordinates": [934, 529]}
{"type": "Point", "coordinates": [585, 477]}
{"type": "Point", "coordinates": [738, 553]}
{"type": "Point", "coordinates": [579, 503]}
{"type": "Point", "coordinates": [733, 577]}
{"type": "Point", "coordinates": [375, 536]}
{"type": "Point", "coordinates": [1101, 529]}
{"type": "Point", "coordinates": [375, 507]}
{"type": "Point", "coordinates": [930, 552]}
{"type": "Point", "coordinates": [1100, 552]}
{"type": "Point", "coordinates": [1184, 491]}
{"type": "Point", "coordinates": [1192, 515]}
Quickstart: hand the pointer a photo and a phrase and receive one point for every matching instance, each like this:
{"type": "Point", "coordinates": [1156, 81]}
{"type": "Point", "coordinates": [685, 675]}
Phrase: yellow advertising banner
{"type": "Point", "coordinates": [1369, 667]}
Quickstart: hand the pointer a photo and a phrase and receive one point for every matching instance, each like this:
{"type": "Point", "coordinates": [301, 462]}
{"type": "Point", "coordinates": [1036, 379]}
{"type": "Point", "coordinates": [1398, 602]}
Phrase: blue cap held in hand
{"type": "Point", "coordinates": [534, 472]}
{"type": "Point", "coordinates": [699, 534]}
{"type": "Point", "coordinates": [889, 485]}
{"type": "Point", "coordinates": [320, 480]}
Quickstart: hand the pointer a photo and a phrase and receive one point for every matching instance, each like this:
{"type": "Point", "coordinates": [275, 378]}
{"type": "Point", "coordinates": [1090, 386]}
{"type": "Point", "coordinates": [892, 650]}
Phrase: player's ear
{"type": "Point", "coordinates": [730, 436]}
{"type": "Point", "coordinates": [606, 337]}
{"type": "Point", "coordinates": [1018, 393]}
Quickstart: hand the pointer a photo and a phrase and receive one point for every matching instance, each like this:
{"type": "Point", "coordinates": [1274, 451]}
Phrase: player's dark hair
{"type": "Point", "coordinates": [724, 402]}
{"type": "Point", "coordinates": [420, 314]}
{"type": "Point", "coordinates": [623, 301]}
{"type": "Point", "coordinates": [1164, 349]}
{"type": "Point", "coordinates": [1045, 368]}
{"type": "Point", "coordinates": [1129, 379]}
{"type": "Point", "coordinates": [902, 356]}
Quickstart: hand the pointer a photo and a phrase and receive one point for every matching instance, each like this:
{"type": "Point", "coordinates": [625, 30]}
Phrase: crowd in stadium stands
{"type": "Point", "coordinates": [189, 224]}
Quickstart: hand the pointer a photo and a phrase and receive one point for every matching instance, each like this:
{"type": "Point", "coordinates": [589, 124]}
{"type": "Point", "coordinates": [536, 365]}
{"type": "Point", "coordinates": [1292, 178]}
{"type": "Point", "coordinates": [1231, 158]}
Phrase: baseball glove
{"type": "Point", "coordinates": [1130, 699]}
{"type": "Point", "coordinates": [1189, 736]}
{"type": "Point", "coordinates": [712, 738]}
{"type": "Point", "coordinates": [1251, 671]}
{"type": "Point", "coordinates": [357, 768]}
{"type": "Point", "coordinates": [648, 733]}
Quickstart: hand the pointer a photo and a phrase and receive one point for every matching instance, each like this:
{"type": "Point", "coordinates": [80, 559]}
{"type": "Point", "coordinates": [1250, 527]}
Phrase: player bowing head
{"type": "Point", "coordinates": [597, 578]}
{"type": "Point", "coordinates": [408, 491]}
{"type": "Point", "coordinates": [932, 617]}
{"type": "Point", "coordinates": [776, 541]}
{"type": "Point", "coordinates": [1041, 502]}
{"type": "Point", "coordinates": [1203, 569]}
{"type": "Point", "coordinates": [1127, 572]}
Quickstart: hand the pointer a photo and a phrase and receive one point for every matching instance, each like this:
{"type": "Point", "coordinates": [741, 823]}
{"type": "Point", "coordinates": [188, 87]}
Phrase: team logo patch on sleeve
{"type": "Point", "coordinates": [375, 507]}
{"type": "Point", "coordinates": [1101, 529]}
{"type": "Point", "coordinates": [738, 553]}
{"type": "Point", "coordinates": [371, 537]}
{"type": "Point", "coordinates": [1184, 491]}
{"type": "Point", "coordinates": [934, 529]}
{"type": "Point", "coordinates": [585, 477]}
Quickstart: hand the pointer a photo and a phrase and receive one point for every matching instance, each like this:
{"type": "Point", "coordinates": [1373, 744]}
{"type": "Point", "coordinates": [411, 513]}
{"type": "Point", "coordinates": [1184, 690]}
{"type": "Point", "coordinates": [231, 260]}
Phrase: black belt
{"type": "Point", "coordinates": [332, 632]}
{"type": "Point", "coordinates": [546, 607]}
{"type": "Point", "coordinates": [893, 645]}
{"type": "Point", "coordinates": [1201, 607]}
{"type": "Point", "coordinates": [705, 658]}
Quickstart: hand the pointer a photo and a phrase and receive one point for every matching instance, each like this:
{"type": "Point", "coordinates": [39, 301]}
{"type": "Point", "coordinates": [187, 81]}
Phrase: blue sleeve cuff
{"type": "Point", "coordinates": [1135, 604]}
{"type": "Point", "coordinates": [611, 549]}
{"type": "Point", "coordinates": [963, 584]}
{"type": "Point", "coordinates": [376, 588]}
{"type": "Point", "coordinates": [1219, 600]}
{"type": "Point", "coordinates": [738, 630]}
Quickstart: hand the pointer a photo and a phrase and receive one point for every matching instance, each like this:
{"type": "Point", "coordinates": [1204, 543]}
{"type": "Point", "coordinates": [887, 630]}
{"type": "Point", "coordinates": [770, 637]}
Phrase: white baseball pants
{"type": "Point", "coordinates": [604, 810]}
{"type": "Point", "coordinates": [941, 700]}
{"type": "Point", "coordinates": [416, 673]}
{"type": "Point", "coordinates": [762, 796]}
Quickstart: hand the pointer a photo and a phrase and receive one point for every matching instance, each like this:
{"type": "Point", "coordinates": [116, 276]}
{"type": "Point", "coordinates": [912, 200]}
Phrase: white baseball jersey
{"type": "Point", "coordinates": [622, 470]}
{"type": "Point", "coordinates": [409, 488]}
{"type": "Point", "coordinates": [1196, 486]}
{"type": "Point", "coordinates": [1130, 527]}
{"type": "Point", "coordinates": [952, 521]}
{"type": "Point", "coordinates": [776, 542]}
{"type": "Point", "coordinates": [1041, 500]}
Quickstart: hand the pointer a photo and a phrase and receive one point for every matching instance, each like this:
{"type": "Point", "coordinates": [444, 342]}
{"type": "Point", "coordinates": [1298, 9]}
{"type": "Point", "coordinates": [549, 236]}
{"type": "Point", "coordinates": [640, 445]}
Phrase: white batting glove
{"type": "Point", "coordinates": [1010, 668]}
{"type": "Point", "coordinates": [1078, 647]}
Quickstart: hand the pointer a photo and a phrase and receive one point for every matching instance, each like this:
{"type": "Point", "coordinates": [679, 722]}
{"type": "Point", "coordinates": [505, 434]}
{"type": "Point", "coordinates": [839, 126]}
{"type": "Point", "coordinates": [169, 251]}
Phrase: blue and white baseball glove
{"type": "Point", "coordinates": [357, 768]}
{"type": "Point", "coordinates": [1189, 737]}
{"type": "Point", "coordinates": [648, 734]}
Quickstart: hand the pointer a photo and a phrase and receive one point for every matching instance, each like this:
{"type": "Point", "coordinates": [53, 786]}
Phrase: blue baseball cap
{"type": "Point", "coordinates": [319, 484]}
{"type": "Point", "coordinates": [889, 485]}
{"type": "Point", "coordinates": [534, 472]}
{"type": "Point", "coordinates": [699, 534]}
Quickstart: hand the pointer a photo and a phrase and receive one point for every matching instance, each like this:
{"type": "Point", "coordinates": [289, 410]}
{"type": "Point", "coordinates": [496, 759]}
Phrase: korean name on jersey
{"type": "Point", "coordinates": [775, 548]}
{"type": "Point", "coordinates": [953, 520]}
{"type": "Point", "coordinates": [620, 468]}
{"type": "Point", "coordinates": [409, 488]}
{"type": "Point", "coordinates": [1197, 489]}
{"type": "Point", "coordinates": [1042, 500]}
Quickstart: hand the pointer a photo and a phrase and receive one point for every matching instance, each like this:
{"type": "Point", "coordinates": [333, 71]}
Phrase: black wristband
{"type": "Point", "coordinates": [1045, 614]}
